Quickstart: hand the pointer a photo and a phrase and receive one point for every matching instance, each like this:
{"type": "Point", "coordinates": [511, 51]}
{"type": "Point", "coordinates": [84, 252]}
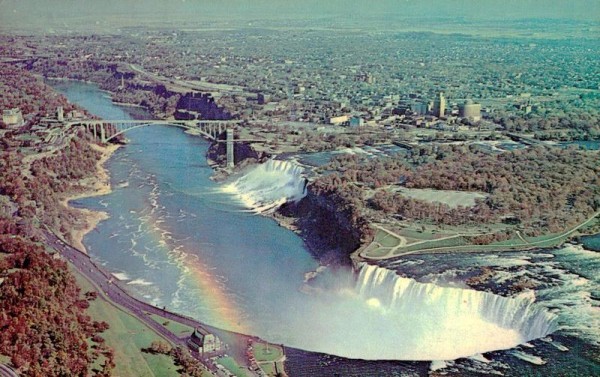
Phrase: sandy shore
{"type": "Point", "coordinates": [95, 186]}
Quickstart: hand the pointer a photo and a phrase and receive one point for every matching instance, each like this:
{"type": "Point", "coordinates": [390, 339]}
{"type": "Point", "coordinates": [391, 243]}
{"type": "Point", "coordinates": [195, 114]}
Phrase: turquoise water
{"type": "Point", "coordinates": [585, 144]}
{"type": "Point", "coordinates": [591, 242]}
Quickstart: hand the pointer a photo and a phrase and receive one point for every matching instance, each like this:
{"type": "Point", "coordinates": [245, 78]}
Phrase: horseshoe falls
{"type": "Point", "coordinates": [267, 186]}
{"type": "Point", "coordinates": [442, 323]}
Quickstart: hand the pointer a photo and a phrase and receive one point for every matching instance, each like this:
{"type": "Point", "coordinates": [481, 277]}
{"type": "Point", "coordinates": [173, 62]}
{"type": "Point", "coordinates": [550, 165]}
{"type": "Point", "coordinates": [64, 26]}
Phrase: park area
{"type": "Point", "coordinates": [452, 198]}
{"type": "Point", "coordinates": [269, 357]}
{"type": "Point", "coordinates": [389, 243]}
{"type": "Point", "coordinates": [392, 241]}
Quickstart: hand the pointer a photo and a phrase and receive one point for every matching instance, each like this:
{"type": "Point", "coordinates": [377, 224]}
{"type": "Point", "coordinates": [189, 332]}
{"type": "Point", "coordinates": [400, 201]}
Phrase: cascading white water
{"type": "Point", "coordinates": [451, 322]}
{"type": "Point", "coordinates": [267, 186]}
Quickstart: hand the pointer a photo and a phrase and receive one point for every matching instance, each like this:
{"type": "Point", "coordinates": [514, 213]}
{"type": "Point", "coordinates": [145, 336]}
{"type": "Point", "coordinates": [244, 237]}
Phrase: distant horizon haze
{"type": "Point", "coordinates": [39, 14]}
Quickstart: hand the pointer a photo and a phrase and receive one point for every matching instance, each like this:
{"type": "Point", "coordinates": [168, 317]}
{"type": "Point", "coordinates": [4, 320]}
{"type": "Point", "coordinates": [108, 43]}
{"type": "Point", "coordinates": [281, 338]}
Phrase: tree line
{"type": "Point", "coordinates": [44, 326]}
{"type": "Point", "coordinates": [538, 189]}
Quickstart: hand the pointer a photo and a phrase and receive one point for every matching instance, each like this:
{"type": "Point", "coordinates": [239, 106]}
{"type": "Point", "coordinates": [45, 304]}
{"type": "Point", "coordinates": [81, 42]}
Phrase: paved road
{"type": "Point", "coordinates": [6, 371]}
{"type": "Point", "coordinates": [526, 245]}
{"type": "Point", "coordinates": [112, 292]}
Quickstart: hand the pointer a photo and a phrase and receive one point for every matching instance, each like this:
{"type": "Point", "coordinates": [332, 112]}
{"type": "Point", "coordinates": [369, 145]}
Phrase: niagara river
{"type": "Point", "coordinates": [179, 240]}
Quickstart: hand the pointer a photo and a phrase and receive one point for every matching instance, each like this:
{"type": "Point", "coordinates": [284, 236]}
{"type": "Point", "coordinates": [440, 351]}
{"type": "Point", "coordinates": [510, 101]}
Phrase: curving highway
{"type": "Point", "coordinates": [113, 293]}
{"type": "Point", "coordinates": [6, 371]}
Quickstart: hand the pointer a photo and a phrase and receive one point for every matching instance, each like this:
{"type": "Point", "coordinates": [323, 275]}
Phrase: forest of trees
{"type": "Point", "coordinates": [22, 90]}
{"type": "Point", "coordinates": [37, 192]}
{"type": "Point", "coordinates": [560, 119]}
{"type": "Point", "coordinates": [541, 189]}
{"type": "Point", "coordinates": [44, 328]}
{"type": "Point", "coordinates": [43, 325]}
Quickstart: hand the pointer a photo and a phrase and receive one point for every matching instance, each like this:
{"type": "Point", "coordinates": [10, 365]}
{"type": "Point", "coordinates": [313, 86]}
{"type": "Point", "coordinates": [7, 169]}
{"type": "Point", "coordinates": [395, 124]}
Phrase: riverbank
{"type": "Point", "coordinates": [126, 104]}
{"type": "Point", "coordinates": [96, 185]}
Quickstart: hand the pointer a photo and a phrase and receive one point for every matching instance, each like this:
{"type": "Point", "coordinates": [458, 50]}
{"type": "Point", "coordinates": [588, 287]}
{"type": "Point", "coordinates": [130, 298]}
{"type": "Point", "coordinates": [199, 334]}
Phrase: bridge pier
{"type": "Point", "coordinates": [102, 133]}
{"type": "Point", "coordinates": [230, 156]}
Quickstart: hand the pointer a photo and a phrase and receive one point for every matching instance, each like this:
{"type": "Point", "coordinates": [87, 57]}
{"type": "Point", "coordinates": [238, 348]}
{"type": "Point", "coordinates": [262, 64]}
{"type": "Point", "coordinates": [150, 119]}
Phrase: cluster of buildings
{"type": "Point", "coordinates": [317, 77]}
{"type": "Point", "coordinates": [414, 111]}
{"type": "Point", "coordinates": [45, 132]}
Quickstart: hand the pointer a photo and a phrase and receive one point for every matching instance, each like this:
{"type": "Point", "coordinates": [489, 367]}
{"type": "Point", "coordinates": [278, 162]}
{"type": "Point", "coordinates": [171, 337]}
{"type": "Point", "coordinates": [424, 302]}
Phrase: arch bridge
{"type": "Point", "coordinates": [106, 130]}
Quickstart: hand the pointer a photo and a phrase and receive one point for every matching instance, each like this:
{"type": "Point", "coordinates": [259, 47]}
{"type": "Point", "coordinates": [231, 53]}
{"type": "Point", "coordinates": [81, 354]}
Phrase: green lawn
{"type": "Point", "coordinates": [175, 327]}
{"type": "Point", "coordinates": [546, 240]}
{"type": "Point", "coordinates": [127, 336]}
{"type": "Point", "coordinates": [418, 235]}
{"type": "Point", "coordinates": [450, 242]}
{"type": "Point", "coordinates": [231, 365]}
{"type": "Point", "coordinates": [386, 239]}
{"type": "Point", "coordinates": [374, 251]}
{"type": "Point", "coordinates": [266, 355]}
{"type": "Point", "coordinates": [264, 352]}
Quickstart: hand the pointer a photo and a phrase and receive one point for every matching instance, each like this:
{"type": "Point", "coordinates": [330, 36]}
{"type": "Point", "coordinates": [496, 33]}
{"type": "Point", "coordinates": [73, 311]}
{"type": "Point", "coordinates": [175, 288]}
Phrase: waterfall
{"type": "Point", "coordinates": [515, 320]}
{"type": "Point", "coordinates": [268, 186]}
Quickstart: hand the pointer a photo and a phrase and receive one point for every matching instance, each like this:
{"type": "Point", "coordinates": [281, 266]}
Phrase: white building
{"type": "Point", "coordinates": [12, 117]}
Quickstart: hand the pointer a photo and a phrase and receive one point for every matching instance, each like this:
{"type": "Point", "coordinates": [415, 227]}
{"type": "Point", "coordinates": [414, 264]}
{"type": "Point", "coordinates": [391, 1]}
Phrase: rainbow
{"type": "Point", "coordinates": [212, 293]}
{"type": "Point", "coordinates": [216, 298]}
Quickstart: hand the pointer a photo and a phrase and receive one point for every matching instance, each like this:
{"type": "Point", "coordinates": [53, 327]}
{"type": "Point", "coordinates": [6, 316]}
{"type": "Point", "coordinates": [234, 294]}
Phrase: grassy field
{"type": "Point", "coordinates": [231, 365]}
{"type": "Point", "coordinates": [264, 352]}
{"type": "Point", "coordinates": [432, 244]}
{"type": "Point", "coordinates": [266, 356]}
{"type": "Point", "coordinates": [386, 239]}
{"type": "Point", "coordinates": [452, 198]}
{"type": "Point", "coordinates": [385, 242]}
{"type": "Point", "coordinates": [127, 336]}
{"type": "Point", "coordinates": [375, 251]}
{"type": "Point", "coordinates": [175, 327]}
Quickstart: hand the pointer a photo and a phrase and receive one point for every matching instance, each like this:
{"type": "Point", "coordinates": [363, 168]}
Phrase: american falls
{"type": "Point", "coordinates": [267, 186]}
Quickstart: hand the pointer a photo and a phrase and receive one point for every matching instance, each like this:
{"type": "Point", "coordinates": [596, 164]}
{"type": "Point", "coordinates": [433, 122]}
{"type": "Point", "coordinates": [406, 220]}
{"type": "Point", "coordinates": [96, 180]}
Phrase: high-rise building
{"type": "Point", "coordinates": [60, 114]}
{"type": "Point", "coordinates": [470, 110]}
{"type": "Point", "coordinates": [262, 99]}
{"type": "Point", "coordinates": [419, 108]}
{"type": "Point", "coordinates": [439, 105]}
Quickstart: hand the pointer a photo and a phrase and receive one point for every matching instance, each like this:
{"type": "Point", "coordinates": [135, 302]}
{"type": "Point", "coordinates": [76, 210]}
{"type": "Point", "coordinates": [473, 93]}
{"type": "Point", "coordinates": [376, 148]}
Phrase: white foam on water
{"type": "Point", "coordinates": [266, 187]}
{"type": "Point", "coordinates": [121, 276]}
{"type": "Point", "coordinates": [437, 365]}
{"type": "Point", "coordinates": [482, 359]}
{"type": "Point", "coordinates": [140, 282]}
{"type": "Point", "coordinates": [528, 357]}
